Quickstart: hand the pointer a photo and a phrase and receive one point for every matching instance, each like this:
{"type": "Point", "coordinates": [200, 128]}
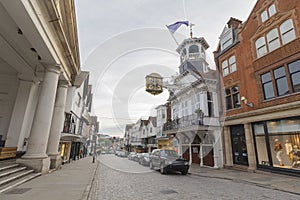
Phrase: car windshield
{"type": "Point", "coordinates": [169, 153]}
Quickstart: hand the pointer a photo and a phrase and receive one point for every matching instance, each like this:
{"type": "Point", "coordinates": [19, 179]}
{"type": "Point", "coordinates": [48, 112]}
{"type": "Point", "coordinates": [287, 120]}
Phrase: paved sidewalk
{"type": "Point", "coordinates": [262, 179]}
{"type": "Point", "coordinates": [71, 182]}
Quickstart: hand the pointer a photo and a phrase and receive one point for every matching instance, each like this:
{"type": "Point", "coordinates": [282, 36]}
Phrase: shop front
{"type": "Point", "coordinates": [277, 144]}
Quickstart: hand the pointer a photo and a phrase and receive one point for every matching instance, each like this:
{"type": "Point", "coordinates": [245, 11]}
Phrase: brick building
{"type": "Point", "coordinates": [259, 63]}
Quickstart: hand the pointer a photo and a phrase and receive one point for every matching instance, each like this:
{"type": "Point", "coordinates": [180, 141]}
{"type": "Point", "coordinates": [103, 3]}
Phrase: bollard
{"type": "Point", "coordinates": [93, 159]}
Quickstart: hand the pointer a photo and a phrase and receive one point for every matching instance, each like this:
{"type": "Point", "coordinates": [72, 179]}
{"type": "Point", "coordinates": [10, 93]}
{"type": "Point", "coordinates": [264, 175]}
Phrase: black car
{"type": "Point", "coordinates": [168, 160]}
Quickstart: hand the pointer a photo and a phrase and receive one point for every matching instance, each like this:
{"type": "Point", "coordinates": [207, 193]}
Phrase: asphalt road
{"type": "Point", "coordinates": [119, 178]}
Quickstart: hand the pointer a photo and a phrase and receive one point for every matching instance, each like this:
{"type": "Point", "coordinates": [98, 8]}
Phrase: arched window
{"type": "Point", "coordinates": [194, 49]}
{"type": "Point", "coordinates": [287, 31]}
{"type": "Point", "coordinates": [273, 39]}
{"type": "Point", "coordinates": [260, 45]}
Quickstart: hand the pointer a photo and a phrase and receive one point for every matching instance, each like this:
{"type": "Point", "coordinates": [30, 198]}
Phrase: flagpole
{"type": "Point", "coordinates": [172, 36]}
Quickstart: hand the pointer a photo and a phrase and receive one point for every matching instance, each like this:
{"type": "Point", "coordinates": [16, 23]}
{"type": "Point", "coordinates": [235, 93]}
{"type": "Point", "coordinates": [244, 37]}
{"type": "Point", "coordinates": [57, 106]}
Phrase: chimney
{"type": "Point", "coordinates": [234, 23]}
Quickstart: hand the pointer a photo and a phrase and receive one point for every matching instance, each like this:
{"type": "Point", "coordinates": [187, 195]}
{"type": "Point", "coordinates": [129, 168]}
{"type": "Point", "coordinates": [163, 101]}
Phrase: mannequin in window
{"type": "Point", "coordinates": [296, 155]}
{"type": "Point", "coordinates": [278, 150]}
{"type": "Point", "coordinates": [288, 149]}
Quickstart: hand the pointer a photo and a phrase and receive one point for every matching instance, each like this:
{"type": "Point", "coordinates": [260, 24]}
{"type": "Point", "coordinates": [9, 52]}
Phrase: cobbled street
{"type": "Point", "coordinates": [120, 178]}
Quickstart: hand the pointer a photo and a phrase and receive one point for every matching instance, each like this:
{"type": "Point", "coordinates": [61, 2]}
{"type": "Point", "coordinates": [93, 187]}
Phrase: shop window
{"type": "Point", "coordinates": [261, 146]}
{"type": "Point", "coordinates": [267, 85]}
{"type": "Point", "coordinates": [278, 143]}
{"type": "Point", "coordinates": [232, 98]}
{"type": "Point", "coordinates": [294, 69]}
{"type": "Point", "coordinates": [287, 31]}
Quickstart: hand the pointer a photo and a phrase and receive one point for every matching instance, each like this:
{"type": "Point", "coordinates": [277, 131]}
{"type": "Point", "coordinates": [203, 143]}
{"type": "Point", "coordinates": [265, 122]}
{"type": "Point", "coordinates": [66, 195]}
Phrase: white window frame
{"type": "Point", "coordinates": [225, 68]}
{"type": "Point", "coordinates": [266, 14]}
{"type": "Point", "coordinates": [232, 64]}
{"type": "Point", "coordinates": [260, 47]}
{"type": "Point", "coordinates": [273, 39]}
{"type": "Point", "coordinates": [284, 31]}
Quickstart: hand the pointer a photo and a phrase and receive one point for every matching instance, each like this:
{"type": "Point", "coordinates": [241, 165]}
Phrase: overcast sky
{"type": "Point", "coordinates": [122, 41]}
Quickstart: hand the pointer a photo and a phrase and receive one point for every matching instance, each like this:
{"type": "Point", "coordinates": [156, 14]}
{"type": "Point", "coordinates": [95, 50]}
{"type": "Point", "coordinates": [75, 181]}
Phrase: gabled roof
{"type": "Point", "coordinates": [153, 120]}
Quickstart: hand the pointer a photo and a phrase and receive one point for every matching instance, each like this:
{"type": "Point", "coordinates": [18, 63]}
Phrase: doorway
{"type": "Point", "coordinates": [239, 146]}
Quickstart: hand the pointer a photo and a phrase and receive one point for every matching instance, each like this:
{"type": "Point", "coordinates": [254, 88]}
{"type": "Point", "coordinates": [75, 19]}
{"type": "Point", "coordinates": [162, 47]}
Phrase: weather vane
{"type": "Point", "coordinates": [191, 29]}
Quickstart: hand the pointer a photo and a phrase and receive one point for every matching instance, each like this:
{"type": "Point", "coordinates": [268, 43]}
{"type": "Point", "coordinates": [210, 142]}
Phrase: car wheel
{"type": "Point", "coordinates": [162, 169]}
{"type": "Point", "coordinates": [151, 165]}
{"type": "Point", "coordinates": [184, 172]}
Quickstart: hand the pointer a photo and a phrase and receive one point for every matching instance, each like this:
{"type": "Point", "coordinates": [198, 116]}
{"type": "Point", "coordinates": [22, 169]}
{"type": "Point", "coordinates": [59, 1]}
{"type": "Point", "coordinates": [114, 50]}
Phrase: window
{"type": "Point", "coordinates": [150, 129]}
{"type": "Point", "coordinates": [225, 68]}
{"type": "Point", "coordinates": [281, 81]}
{"type": "Point", "coordinates": [194, 49]}
{"type": "Point", "coordinates": [261, 48]}
{"type": "Point", "coordinates": [227, 43]}
{"type": "Point", "coordinates": [267, 84]}
{"type": "Point", "coordinates": [232, 64]}
{"type": "Point", "coordinates": [266, 14]}
{"type": "Point", "coordinates": [294, 70]}
{"type": "Point", "coordinates": [229, 66]}
{"type": "Point", "coordinates": [210, 104]}
{"type": "Point", "coordinates": [273, 40]}
{"type": "Point", "coordinates": [287, 31]}
{"type": "Point", "coordinates": [232, 98]}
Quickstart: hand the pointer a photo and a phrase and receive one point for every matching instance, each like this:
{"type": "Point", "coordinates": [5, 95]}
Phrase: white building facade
{"type": "Point", "coordinates": [195, 121]}
{"type": "Point", "coordinates": [38, 62]}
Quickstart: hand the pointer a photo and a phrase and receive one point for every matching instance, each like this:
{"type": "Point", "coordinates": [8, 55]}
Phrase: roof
{"type": "Point", "coordinates": [128, 127]}
{"type": "Point", "coordinates": [153, 120]}
{"type": "Point", "coordinates": [80, 78]}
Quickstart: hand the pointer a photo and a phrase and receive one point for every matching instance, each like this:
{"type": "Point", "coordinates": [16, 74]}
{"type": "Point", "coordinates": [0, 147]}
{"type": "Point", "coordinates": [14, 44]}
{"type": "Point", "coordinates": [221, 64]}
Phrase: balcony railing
{"type": "Point", "coordinates": [190, 120]}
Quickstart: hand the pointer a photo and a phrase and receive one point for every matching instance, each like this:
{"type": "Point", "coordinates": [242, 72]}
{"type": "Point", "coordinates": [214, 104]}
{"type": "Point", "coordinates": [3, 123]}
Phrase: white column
{"type": "Point", "coordinates": [190, 152]}
{"type": "Point", "coordinates": [228, 147]}
{"type": "Point", "coordinates": [57, 125]}
{"type": "Point", "coordinates": [250, 147]}
{"type": "Point", "coordinates": [21, 114]}
{"type": "Point", "coordinates": [36, 156]}
{"type": "Point", "coordinates": [201, 155]}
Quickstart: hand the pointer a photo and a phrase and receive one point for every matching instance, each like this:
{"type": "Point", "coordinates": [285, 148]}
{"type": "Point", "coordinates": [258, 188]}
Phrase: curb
{"type": "Point", "coordinates": [271, 187]}
{"type": "Point", "coordinates": [87, 192]}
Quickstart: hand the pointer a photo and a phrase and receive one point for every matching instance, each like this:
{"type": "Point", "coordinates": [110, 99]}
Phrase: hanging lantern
{"type": "Point", "coordinates": [154, 84]}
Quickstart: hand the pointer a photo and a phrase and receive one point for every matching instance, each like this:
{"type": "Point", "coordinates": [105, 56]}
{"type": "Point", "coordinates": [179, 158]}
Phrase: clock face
{"type": "Point", "coordinates": [155, 84]}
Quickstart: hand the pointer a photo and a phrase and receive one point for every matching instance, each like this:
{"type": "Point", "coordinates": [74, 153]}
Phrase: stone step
{"type": "Point", "coordinates": [10, 171]}
{"type": "Point", "coordinates": [17, 182]}
{"type": "Point", "coordinates": [14, 176]}
{"type": "Point", "coordinates": [8, 167]}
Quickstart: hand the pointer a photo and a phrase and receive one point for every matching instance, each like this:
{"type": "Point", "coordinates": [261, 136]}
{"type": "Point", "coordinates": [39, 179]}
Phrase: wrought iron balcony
{"type": "Point", "coordinates": [183, 122]}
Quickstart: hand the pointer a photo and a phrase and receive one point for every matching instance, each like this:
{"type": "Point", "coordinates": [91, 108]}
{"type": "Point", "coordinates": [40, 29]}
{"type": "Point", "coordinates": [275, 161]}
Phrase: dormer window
{"type": "Point", "coordinates": [226, 38]}
{"type": "Point", "coordinates": [266, 14]}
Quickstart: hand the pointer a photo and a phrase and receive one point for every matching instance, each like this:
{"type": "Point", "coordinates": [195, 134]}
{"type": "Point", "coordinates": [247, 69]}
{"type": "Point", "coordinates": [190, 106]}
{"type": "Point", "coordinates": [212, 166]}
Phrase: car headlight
{"type": "Point", "coordinates": [186, 163]}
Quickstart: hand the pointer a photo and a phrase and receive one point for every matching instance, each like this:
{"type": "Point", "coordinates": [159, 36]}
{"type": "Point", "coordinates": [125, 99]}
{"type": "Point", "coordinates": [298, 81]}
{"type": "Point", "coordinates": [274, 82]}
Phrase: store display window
{"type": "Point", "coordinates": [278, 143]}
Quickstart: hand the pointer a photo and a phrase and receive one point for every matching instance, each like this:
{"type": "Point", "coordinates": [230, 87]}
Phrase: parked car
{"type": "Point", "coordinates": [137, 157]}
{"type": "Point", "coordinates": [168, 160]}
{"type": "Point", "coordinates": [131, 155]}
{"type": "Point", "coordinates": [144, 159]}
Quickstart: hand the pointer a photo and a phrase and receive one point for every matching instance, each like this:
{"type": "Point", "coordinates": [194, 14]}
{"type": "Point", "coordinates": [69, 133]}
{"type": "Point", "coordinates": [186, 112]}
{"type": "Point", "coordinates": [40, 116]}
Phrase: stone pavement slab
{"type": "Point", "coordinates": [71, 182]}
{"type": "Point", "coordinates": [263, 179]}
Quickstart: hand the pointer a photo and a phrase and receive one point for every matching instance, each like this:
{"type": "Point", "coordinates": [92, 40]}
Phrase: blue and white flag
{"type": "Point", "coordinates": [173, 27]}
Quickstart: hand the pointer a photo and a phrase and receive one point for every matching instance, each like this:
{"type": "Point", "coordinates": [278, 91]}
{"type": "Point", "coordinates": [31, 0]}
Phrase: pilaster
{"type": "Point", "coordinates": [250, 147]}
